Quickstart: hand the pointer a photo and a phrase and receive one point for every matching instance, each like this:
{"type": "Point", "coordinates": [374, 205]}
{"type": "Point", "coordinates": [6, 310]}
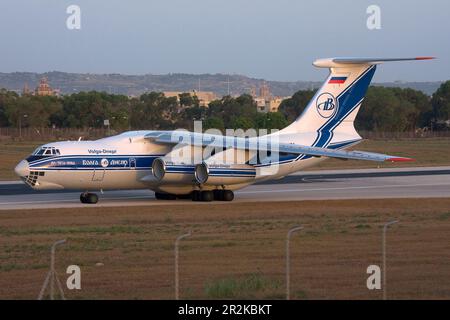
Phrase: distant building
{"type": "Point", "coordinates": [264, 91]}
{"type": "Point", "coordinates": [204, 97]}
{"type": "Point", "coordinates": [43, 89]}
{"type": "Point", "coordinates": [270, 105]}
{"type": "Point", "coordinates": [26, 89]}
{"type": "Point", "coordinates": [274, 103]}
{"type": "Point", "coordinates": [265, 102]}
{"type": "Point", "coordinates": [253, 91]}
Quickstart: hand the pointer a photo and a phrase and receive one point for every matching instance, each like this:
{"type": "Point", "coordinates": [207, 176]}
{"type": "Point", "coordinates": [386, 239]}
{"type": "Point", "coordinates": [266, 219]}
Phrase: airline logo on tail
{"type": "Point", "coordinates": [326, 105]}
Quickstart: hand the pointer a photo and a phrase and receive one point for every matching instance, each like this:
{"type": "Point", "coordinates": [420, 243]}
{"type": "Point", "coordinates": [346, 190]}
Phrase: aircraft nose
{"type": "Point", "coordinates": [22, 169]}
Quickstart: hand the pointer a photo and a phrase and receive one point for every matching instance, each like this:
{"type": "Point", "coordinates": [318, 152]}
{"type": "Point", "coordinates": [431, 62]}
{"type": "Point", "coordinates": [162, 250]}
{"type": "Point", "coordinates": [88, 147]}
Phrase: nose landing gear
{"type": "Point", "coordinates": [87, 197]}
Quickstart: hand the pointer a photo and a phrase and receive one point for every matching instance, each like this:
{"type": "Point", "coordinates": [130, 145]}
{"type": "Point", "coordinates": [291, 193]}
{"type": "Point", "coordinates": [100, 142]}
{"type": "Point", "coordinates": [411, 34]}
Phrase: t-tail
{"type": "Point", "coordinates": [331, 113]}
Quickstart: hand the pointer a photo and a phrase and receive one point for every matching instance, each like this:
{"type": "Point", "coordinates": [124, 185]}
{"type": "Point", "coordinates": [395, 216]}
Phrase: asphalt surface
{"type": "Point", "coordinates": [313, 185]}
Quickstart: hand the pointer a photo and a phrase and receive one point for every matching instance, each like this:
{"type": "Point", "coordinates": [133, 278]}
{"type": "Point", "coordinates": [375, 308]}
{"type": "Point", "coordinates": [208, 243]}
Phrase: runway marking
{"type": "Point", "coordinates": [350, 188]}
{"type": "Point", "coordinates": [71, 200]}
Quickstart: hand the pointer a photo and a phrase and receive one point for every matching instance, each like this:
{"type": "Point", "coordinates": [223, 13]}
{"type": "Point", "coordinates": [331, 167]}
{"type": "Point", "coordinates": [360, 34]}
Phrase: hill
{"type": "Point", "coordinates": [138, 84]}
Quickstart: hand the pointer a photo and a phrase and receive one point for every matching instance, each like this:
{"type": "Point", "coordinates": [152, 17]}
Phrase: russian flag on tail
{"type": "Point", "coordinates": [337, 80]}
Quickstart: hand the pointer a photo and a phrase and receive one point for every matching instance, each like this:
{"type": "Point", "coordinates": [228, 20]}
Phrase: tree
{"type": "Point", "coordinates": [214, 123]}
{"type": "Point", "coordinates": [393, 110]}
{"type": "Point", "coordinates": [292, 108]}
{"type": "Point", "coordinates": [188, 100]}
{"type": "Point", "coordinates": [229, 109]}
{"type": "Point", "coordinates": [242, 122]}
{"type": "Point", "coordinates": [441, 102]}
{"type": "Point", "coordinates": [154, 111]}
{"type": "Point", "coordinates": [271, 120]}
{"type": "Point", "coordinates": [8, 101]}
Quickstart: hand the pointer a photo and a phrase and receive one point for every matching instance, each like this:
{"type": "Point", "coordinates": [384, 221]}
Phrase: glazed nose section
{"type": "Point", "coordinates": [22, 169]}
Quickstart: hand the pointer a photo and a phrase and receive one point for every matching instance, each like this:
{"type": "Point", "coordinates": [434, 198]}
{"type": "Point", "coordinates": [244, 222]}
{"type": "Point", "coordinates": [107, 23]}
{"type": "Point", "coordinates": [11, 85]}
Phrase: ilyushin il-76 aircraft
{"type": "Point", "coordinates": [210, 166]}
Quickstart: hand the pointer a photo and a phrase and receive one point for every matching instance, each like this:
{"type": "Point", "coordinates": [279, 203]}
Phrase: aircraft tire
{"type": "Point", "coordinates": [195, 195]}
{"type": "Point", "coordinates": [228, 195]}
{"type": "Point", "coordinates": [207, 196]}
{"type": "Point", "coordinates": [165, 196]}
{"type": "Point", "coordinates": [90, 198]}
{"type": "Point", "coordinates": [218, 195]}
{"type": "Point", "coordinates": [184, 196]}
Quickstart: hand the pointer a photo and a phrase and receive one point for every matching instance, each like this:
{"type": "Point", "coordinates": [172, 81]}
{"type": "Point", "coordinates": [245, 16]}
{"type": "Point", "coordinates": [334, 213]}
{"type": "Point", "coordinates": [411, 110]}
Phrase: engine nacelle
{"type": "Point", "coordinates": [169, 172]}
{"type": "Point", "coordinates": [217, 175]}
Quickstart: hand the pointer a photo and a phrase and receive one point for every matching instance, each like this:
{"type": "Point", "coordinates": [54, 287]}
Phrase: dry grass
{"type": "Point", "coordinates": [426, 151]}
{"type": "Point", "coordinates": [236, 250]}
{"type": "Point", "coordinates": [11, 153]}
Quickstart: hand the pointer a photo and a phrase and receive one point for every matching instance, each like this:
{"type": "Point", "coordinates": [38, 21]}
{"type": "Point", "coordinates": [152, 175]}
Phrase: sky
{"type": "Point", "coordinates": [270, 39]}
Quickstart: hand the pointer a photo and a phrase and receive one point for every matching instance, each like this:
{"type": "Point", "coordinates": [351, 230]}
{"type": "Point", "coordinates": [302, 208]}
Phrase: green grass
{"type": "Point", "coordinates": [71, 230]}
{"type": "Point", "coordinates": [425, 152]}
{"type": "Point", "coordinates": [11, 153]}
{"type": "Point", "coordinates": [444, 216]}
{"type": "Point", "coordinates": [362, 226]}
{"type": "Point", "coordinates": [242, 288]}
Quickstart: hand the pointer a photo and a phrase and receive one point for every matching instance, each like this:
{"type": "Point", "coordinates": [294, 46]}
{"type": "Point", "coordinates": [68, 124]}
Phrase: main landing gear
{"type": "Point", "coordinates": [87, 197]}
{"type": "Point", "coordinates": [196, 195]}
{"type": "Point", "coordinates": [218, 195]}
{"type": "Point", "coordinates": [165, 196]}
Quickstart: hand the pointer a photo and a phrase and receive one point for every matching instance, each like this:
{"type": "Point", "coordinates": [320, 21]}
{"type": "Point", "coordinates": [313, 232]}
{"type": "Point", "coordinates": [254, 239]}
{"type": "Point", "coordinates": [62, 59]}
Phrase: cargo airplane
{"type": "Point", "coordinates": [206, 167]}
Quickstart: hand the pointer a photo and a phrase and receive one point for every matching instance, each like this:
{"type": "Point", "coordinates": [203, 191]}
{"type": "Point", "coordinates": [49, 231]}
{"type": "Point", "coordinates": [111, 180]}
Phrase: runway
{"type": "Point", "coordinates": [430, 182]}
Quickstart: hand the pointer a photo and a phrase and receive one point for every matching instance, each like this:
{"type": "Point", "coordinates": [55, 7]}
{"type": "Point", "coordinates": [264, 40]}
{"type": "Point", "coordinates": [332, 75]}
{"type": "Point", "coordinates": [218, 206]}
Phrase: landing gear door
{"type": "Point", "coordinates": [99, 174]}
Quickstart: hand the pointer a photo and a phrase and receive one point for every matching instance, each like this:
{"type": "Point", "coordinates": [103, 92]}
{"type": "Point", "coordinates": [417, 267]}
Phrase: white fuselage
{"type": "Point", "coordinates": [125, 162]}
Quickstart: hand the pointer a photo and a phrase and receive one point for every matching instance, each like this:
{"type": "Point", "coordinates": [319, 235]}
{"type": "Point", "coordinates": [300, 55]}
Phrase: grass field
{"type": "Point", "coordinates": [426, 152]}
{"type": "Point", "coordinates": [236, 250]}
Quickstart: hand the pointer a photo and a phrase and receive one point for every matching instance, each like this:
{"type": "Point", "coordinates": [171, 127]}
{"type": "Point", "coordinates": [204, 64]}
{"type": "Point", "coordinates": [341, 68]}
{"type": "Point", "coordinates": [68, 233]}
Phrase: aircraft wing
{"type": "Point", "coordinates": [264, 144]}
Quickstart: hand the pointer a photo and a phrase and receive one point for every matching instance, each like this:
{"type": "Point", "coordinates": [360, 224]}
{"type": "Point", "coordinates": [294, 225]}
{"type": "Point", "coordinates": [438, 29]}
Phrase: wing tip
{"type": "Point", "coordinates": [399, 159]}
{"type": "Point", "coordinates": [425, 58]}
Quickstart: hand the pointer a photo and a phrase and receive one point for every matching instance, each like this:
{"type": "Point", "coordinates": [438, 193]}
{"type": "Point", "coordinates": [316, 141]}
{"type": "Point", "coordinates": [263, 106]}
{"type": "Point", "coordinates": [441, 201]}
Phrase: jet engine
{"type": "Point", "coordinates": [222, 175]}
{"type": "Point", "coordinates": [176, 167]}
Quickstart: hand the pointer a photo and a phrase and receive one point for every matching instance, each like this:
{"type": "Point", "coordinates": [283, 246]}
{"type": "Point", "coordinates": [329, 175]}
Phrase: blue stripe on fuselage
{"type": "Point", "coordinates": [93, 162]}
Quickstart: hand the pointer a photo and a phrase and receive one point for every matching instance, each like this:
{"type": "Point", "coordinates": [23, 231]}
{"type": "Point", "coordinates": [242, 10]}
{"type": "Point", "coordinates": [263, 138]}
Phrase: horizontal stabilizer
{"type": "Point", "coordinates": [336, 62]}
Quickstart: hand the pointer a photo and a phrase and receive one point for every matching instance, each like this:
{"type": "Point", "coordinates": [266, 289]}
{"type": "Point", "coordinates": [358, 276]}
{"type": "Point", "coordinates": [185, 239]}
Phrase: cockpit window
{"type": "Point", "coordinates": [46, 151]}
{"type": "Point", "coordinates": [39, 152]}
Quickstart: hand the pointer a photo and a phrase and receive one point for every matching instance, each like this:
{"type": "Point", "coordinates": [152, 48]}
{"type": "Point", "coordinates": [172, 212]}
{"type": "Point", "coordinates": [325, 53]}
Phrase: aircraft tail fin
{"type": "Point", "coordinates": [333, 109]}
